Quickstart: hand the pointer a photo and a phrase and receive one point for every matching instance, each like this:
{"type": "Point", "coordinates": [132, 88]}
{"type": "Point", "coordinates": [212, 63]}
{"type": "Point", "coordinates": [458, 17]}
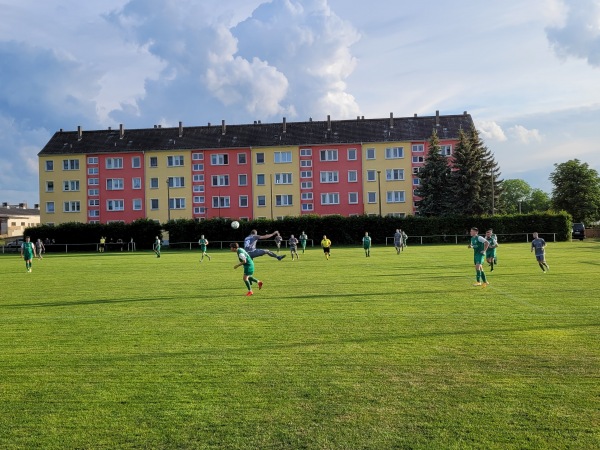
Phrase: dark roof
{"type": "Point", "coordinates": [258, 135]}
{"type": "Point", "coordinates": [12, 212]}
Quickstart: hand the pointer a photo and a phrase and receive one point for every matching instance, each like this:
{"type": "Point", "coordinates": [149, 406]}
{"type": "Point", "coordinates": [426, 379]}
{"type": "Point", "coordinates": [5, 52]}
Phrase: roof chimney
{"type": "Point", "coordinates": [310, 119]}
{"type": "Point", "coordinates": [391, 120]}
{"type": "Point", "coordinates": [415, 114]}
{"type": "Point", "coordinates": [36, 206]}
{"type": "Point", "coordinates": [180, 129]}
{"type": "Point", "coordinates": [209, 124]}
{"type": "Point", "coordinates": [464, 113]}
{"type": "Point", "coordinates": [60, 131]}
{"type": "Point", "coordinates": [223, 128]}
{"type": "Point", "coordinates": [437, 118]}
{"type": "Point", "coordinates": [121, 131]}
{"type": "Point", "coordinates": [328, 122]}
{"type": "Point", "coordinates": [362, 117]}
{"type": "Point", "coordinates": [79, 133]}
{"type": "Point", "coordinates": [109, 128]}
{"type": "Point", "coordinates": [284, 126]}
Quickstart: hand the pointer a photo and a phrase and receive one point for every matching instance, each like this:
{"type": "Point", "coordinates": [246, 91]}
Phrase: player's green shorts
{"type": "Point", "coordinates": [248, 269]}
{"type": "Point", "coordinates": [490, 253]}
{"type": "Point", "coordinates": [478, 258]}
{"type": "Point", "coordinates": [27, 255]}
{"type": "Point", "coordinates": [203, 248]}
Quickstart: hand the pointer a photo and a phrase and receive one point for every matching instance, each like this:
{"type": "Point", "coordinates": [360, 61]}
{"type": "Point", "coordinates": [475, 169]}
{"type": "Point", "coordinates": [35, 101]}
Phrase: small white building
{"type": "Point", "coordinates": [15, 218]}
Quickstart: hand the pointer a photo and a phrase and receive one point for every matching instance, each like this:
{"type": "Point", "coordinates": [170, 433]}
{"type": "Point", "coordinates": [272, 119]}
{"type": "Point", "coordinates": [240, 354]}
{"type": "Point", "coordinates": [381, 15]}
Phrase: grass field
{"type": "Point", "coordinates": [123, 350]}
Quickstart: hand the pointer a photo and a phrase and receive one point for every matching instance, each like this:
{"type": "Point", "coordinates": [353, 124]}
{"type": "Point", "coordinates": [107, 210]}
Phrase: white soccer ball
{"type": "Point", "coordinates": [235, 224]}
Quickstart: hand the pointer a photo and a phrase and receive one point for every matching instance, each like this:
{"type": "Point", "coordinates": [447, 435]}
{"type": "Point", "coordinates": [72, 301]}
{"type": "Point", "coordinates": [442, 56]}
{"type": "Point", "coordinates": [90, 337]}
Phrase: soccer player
{"type": "Point", "coordinates": [39, 247]}
{"type": "Point", "coordinates": [326, 244]}
{"type": "Point", "coordinates": [496, 239]}
{"type": "Point", "coordinates": [404, 240]}
{"type": "Point", "coordinates": [278, 239]}
{"type": "Point", "coordinates": [102, 244]}
{"type": "Point", "coordinates": [27, 252]}
{"type": "Point", "coordinates": [490, 254]}
{"type": "Point", "coordinates": [246, 261]}
{"type": "Point", "coordinates": [539, 245]}
{"type": "Point", "coordinates": [303, 239]}
{"type": "Point", "coordinates": [479, 246]}
{"type": "Point", "coordinates": [203, 242]}
{"type": "Point", "coordinates": [398, 241]}
{"type": "Point", "coordinates": [366, 241]}
{"type": "Point", "coordinates": [250, 245]}
{"type": "Point", "coordinates": [293, 243]}
{"type": "Point", "coordinates": [156, 246]}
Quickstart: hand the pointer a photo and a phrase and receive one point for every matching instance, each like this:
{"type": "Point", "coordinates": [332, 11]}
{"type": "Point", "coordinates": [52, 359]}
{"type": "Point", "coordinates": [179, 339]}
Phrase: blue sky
{"type": "Point", "coordinates": [528, 72]}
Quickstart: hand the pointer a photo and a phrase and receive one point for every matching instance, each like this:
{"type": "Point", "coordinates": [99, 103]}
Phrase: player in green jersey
{"type": "Point", "coordinates": [27, 252]}
{"type": "Point", "coordinates": [490, 254]}
{"type": "Point", "coordinates": [156, 246]}
{"type": "Point", "coordinates": [479, 246]}
{"type": "Point", "coordinates": [303, 238]}
{"type": "Point", "coordinates": [366, 241]}
{"type": "Point", "coordinates": [246, 261]}
{"type": "Point", "coordinates": [203, 242]}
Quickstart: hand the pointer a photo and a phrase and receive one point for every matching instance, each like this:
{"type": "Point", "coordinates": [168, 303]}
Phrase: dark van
{"type": "Point", "coordinates": [578, 231]}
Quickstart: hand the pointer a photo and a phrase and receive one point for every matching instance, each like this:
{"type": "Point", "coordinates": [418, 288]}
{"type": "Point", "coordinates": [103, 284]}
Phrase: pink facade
{"type": "Point", "coordinates": [419, 152]}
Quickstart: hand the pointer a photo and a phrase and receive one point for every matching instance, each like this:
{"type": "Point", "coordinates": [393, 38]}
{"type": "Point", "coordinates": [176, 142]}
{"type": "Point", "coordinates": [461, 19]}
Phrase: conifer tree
{"type": "Point", "coordinates": [435, 176]}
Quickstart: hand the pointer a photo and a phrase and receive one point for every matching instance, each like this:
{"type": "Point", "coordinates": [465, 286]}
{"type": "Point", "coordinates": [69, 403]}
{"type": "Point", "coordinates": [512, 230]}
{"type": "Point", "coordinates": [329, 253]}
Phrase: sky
{"type": "Point", "coordinates": [527, 72]}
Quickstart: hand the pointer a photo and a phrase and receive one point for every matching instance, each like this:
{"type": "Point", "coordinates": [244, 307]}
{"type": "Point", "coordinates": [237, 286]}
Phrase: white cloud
{"type": "Point", "coordinates": [525, 136]}
{"type": "Point", "coordinates": [490, 130]}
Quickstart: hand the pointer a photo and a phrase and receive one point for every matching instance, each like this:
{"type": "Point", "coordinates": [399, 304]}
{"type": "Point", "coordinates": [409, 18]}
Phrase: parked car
{"type": "Point", "coordinates": [15, 244]}
{"type": "Point", "coordinates": [578, 231]}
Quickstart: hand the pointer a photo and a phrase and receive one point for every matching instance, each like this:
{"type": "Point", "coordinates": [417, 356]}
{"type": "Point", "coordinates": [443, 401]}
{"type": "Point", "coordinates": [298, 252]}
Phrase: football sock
{"type": "Point", "coordinates": [478, 275]}
{"type": "Point", "coordinates": [483, 277]}
{"type": "Point", "coordinates": [492, 266]}
{"type": "Point", "coordinates": [247, 283]}
{"type": "Point", "coordinates": [252, 280]}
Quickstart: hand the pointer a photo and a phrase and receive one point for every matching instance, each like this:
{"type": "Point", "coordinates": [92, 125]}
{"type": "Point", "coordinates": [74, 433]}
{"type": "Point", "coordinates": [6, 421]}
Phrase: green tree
{"type": "Point", "coordinates": [539, 201]}
{"type": "Point", "coordinates": [515, 195]}
{"type": "Point", "coordinates": [576, 190]}
{"type": "Point", "coordinates": [434, 176]}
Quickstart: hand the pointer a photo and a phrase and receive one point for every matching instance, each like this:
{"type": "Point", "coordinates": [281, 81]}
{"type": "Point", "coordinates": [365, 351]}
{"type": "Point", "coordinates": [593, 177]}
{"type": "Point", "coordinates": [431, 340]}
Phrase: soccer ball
{"type": "Point", "coordinates": [235, 224]}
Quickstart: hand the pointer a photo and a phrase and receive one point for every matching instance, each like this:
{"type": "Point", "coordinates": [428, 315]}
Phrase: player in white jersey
{"type": "Point", "coordinates": [250, 245]}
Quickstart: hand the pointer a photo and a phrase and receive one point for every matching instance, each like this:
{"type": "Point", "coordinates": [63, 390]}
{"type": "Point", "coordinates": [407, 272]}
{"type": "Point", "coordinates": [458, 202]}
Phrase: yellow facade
{"type": "Point", "coordinates": [63, 188]}
{"type": "Point", "coordinates": [387, 172]}
{"type": "Point", "coordinates": [277, 177]}
{"type": "Point", "coordinates": [160, 166]}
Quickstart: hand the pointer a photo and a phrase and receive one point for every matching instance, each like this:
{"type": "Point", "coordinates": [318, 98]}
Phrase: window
{"type": "Point", "coordinates": [73, 206]}
{"type": "Point", "coordinates": [283, 178]}
{"type": "Point", "coordinates": [306, 152]}
{"type": "Point", "coordinates": [94, 202]}
{"type": "Point", "coordinates": [395, 197]}
{"type": "Point", "coordinates": [198, 199]}
{"type": "Point", "coordinates": [418, 148]}
{"type": "Point", "coordinates": [49, 186]}
{"type": "Point", "coordinates": [307, 206]}
{"type": "Point", "coordinates": [261, 200]}
{"type": "Point", "coordinates": [175, 161]}
{"type": "Point", "coordinates": [92, 171]}
{"type": "Point", "coordinates": [153, 161]}
{"type": "Point", "coordinates": [352, 176]}
{"type": "Point", "coordinates": [416, 181]}
{"type": "Point", "coordinates": [332, 198]}
{"type": "Point", "coordinates": [115, 205]}
{"type": "Point", "coordinates": [92, 160]}
{"type": "Point", "coordinates": [154, 203]}
{"type": "Point", "coordinates": [49, 166]}
{"type": "Point", "coordinates": [70, 185]}
{"type": "Point", "coordinates": [114, 184]}
{"type": "Point", "coordinates": [198, 167]}
{"type": "Point", "coordinates": [306, 185]}
{"type": "Point", "coordinates": [199, 210]}
{"type": "Point", "coordinates": [446, 150]}
{"type": "Point", "coordinates": [394, 152]}
{"type": "Point", "coordinates": [306, 163]}
{"type": "Point", "coordinates": [306, 196]}
{"type": "Point", "coordinates": [220, 159]}
{"type": "Point", "coordinates": [94, 213]}
{"type": "Point", "coordinates": [330, 177]}
{"type": "Point", "coordinates": [394, 174]}
{"type": "Point", "coordinates": [177, 203]}
{"type": "Point", "coordinates": [283, 157]}
{"type": "Point", "coordinates": [153, 183]}
{"type": "Point", "coordinates": [241, 158]}
{"type": "Point", "coordinates": [260, 158]}
{"type": "Point", "coordinates": [370, 153]}
{"type": "Point", "coordinates": [418, 159]}
{"type": "Point", "coordinates": [220, 202]}
{"type": "Point", "coordinates": [371, 175]}
{"type": "Point", "coordinates": [198, 188]}
{"type": "Point", "coordinates": [416, 170]}
{"type": "Point", "coordinates": [220, 180]}
{"type": "Point", "coordinates": [136, 183]}
{"type": "Point", "coordinates": [198, 156]}
{"type": "Point", "coordinates": [351, 154]}
{"type": "Point", "coordinates": [93, 182]}
{"type": "Point", "coordinates": [306, 174]}
{"type": "Point", "coordinates": [353, 198]}
{"type": "Point", "coordinates": [260, 179]}
{"type": "Point", "coordinates": [329, 155]}
{"type": "Point", "coordinates": [49, 207]}
{"type": "Point", "coordinates": [198, 178]}
{"type": "Point", "coordinates": [176, 182]}
{"type": "Point", "coordinates": [114, 163]}
{"type": "Point", "coordinates": [70, 164]}
{"type": "Point", "coordinates": [137, 204]}
{"type": "Point", "coordinates": [243, 201]}
{"type": "Point", "coordinates": [136, 162]}
{"type": "Point", "coordinates": [283, 200]}
{"type": "Point", "coordinates": [371, 197]}
{"type": "Point", "coordinates": [93, 192]}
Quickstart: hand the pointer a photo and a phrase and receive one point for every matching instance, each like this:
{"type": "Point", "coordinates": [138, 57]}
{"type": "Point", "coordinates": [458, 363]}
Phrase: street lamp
{"type": "Point", "coordinates": [168, 199]}
{"type": "Point", "coordinates": [379, 190]}
{"type": "Point", "coordinates": [521, 199]}
{"type": "Point", "coordinates": [493, 195]}
{"type": "Point", "coordinates": [271, 186]}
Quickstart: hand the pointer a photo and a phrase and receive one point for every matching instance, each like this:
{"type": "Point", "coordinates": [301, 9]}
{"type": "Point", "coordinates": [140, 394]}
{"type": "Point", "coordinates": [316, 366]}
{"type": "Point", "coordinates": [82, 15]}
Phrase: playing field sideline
{"type": "Point", "coordinates": [126, 350]}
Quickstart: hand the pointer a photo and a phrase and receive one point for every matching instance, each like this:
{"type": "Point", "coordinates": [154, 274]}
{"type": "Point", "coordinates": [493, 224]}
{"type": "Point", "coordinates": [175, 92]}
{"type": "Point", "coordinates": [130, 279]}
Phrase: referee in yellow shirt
{"type": "Point", "coordinates": [326, 244]}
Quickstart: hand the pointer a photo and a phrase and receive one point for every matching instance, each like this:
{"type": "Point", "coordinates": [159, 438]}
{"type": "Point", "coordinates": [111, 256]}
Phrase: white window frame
{"type": "Point", "coordinates": [306, 152]}
{"type": "Point", "coordinates": [134, 204]}
{"type": "Point", "coordinates": [350, 151]}
{"type": "Point", "coordinates": [49, 166]}
{"type": "Point", "coordinates": [418, 148]}
{"type": "Point", "coordinates": [353, 176]}
{"type": "Point", "coordinates": [223, 201]}
{"type": "Point", "coordinates": [93, 192]}
{"type": "Point", "coordinates": [93, 202]}
{"type": "Point", "coordinates": [71, 186]}
{"type": "Point", "coordinates": [306, 174]}
{"type": "Point", "coordinates": [395, 197]}
{"type": "Point", "coordinates": [446, 150]}
{"type": "Point", "coordinates": [72, 206]}
{"type": "Point", "coordinates": [50, 207]}
{"type": "Point", "coordinates": [198, 167]}
{"type": "Point", "coordinates": [258, 175]}
{"type": "Point", "coordinates": [394, 174]}
{"type": "Point", "coordinates": [394, 152]}
{"type": "Point", "coordinates": [306, 163]}
{"type": "Point", "coordinates": [116, 184]}
{"type": "Point", "coordinates": [258, 201]}
{"type": "Point", "coordinates": [133, 162]}
{"type": "Point", "coordinates": [199, 199]}
{"type": "Point", "coordinates": [371, 172]}
{"type": "Point", "coordinates": [244, 181]}
{"type": "Point", "coordinates": [284, 200]}
{"type": "Point", "coordinates": [330, 198]}
{"type": "Point", "coordinates": [219, 159]}
{"type": "Point", "coordinates": [115, 205]}
{"type": "Point", "coordinates": [177, 203]}
{"type": "Point", "coordinates": [113, 163]}
{"type": "Point", "coordinates": [329, 176]}
{"type": "Point", "coordinates": [306, 185]}
{"type": "Point", "coordinates": [371, 197]}
{"type": "Point", "coordinates": [92, 160]}
{"type": "Point", "coordinates": [152, 202]}
{"type": "Point", "coordinates": [370, 153]}
{"type": "Point", "coordinates": [282, 157]}
{"type": "Point", "coordinates": [307, 196]}
{"type": "Point", "coordinates": [197, 156]}
{"type": "Point", "coordinates": [243, 199]}
{"type": "Point", "coordinates": [307, 206]}
{"type": "Point", "coordinates": [350, 198]}
{"type": "Point", "coordinates": [70, 164]}
{"type": "Point", "coordinates": [329, 154]}
{"type": "Point", "coordinates": [260, 158]}
{"type": "Point", "coordinates": [240, 156]}
{"type": "Point", "coordinates": [283, 178]}
{"type": "Point", "coordinates": [49, 186]}
{"type": "Point", "coordinates": [175, 161]}
{"type": "Point", "coordinates": [92, 171]}
{"type": "Point", "coordinates": [219, 180]}
{"type": "Point", "coordinates": [176, 182]}
{"type": "Point", "coordinates": [152, 180]}
{"type": "Point", "coordinates": [136, 183]}
{"type": "Point", "coordinates": [198, 178]}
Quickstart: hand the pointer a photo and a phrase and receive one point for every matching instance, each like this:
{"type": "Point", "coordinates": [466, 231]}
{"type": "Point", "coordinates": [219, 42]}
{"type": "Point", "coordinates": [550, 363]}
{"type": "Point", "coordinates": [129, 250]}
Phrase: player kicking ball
{"type": "Point", "coordinates": [246, 261]}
